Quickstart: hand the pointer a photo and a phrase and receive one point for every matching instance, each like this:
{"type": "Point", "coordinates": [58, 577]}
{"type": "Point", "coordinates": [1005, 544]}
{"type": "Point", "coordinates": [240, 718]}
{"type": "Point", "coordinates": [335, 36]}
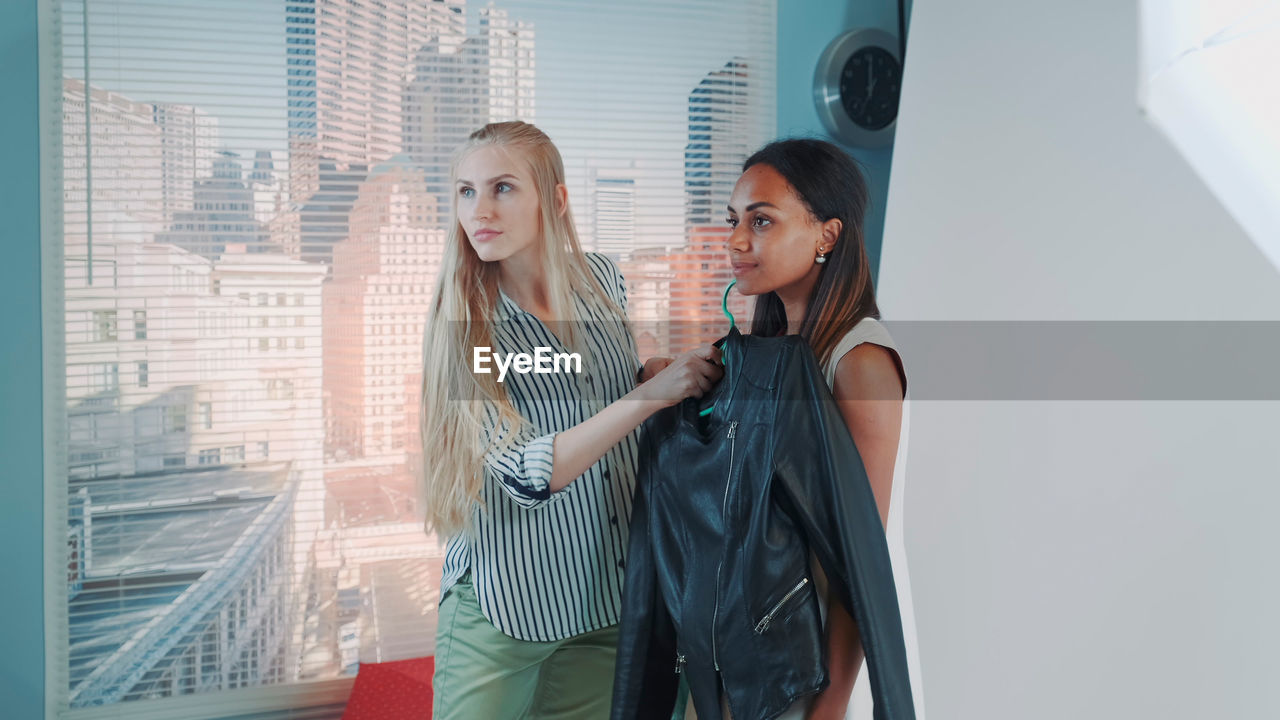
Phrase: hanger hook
{"type": "Point", "coordinates": [724, 305]}
{"type": "Point", "coordinates": [724, 302]}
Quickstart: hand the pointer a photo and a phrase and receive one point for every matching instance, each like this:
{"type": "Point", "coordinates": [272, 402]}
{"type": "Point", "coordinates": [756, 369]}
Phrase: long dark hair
{"type": "Point", "coordinates": [831, 186]}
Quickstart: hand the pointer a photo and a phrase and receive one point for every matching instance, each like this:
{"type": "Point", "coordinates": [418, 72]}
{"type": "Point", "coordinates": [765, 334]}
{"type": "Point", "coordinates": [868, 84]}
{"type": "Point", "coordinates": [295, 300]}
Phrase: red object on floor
{"type": "Point", "coordinates": [399, 690]}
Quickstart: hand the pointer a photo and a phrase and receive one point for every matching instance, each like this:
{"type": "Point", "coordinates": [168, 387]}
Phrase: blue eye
{"type": "Point", "coordinates": [504, 187]}
{"type": "Point", "coordinates": [466, 192]}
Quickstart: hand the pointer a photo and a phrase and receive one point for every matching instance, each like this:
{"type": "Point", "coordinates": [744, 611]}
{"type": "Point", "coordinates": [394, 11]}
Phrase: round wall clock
{"type": "Point", "coordinates": [856, 86]}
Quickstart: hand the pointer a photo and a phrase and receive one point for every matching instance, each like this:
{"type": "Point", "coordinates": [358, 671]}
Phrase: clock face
{"type": "Point", "coordinates": [869, 87]}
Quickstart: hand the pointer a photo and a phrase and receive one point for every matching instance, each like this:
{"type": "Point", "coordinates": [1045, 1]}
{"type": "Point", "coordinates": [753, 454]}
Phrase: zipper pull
{"type": "Point", "coordinates": [764, 622]}
{"type": "Point", "coordinates": [679, 663]}
{"type": "Point", "coordinates": [733, 429]}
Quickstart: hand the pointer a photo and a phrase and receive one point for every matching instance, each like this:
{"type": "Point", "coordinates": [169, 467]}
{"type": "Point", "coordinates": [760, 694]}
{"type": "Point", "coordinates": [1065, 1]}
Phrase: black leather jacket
{"type": "Point", "coordinates": [727, 509]}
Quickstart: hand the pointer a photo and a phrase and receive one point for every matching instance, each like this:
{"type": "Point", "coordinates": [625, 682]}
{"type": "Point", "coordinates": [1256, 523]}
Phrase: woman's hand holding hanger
{"type": "Point", "coordinates": [687, 375]}
{"type": "Point", "coordinates": [690, 374]}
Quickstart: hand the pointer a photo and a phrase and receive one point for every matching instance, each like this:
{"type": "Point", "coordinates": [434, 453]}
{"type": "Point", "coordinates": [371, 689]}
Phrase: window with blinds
{"type": "Point", "coordinates": [254, 202]}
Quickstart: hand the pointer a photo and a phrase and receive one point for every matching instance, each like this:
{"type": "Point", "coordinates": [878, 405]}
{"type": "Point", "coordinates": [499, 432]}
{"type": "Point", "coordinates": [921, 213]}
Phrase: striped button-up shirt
{"type": "Point", "coordinates": [547, 566]}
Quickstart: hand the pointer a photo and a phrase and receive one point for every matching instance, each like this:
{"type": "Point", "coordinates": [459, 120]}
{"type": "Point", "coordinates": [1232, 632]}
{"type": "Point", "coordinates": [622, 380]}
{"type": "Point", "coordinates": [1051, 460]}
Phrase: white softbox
{"type": "Point", "coordinates": [1210, 81]}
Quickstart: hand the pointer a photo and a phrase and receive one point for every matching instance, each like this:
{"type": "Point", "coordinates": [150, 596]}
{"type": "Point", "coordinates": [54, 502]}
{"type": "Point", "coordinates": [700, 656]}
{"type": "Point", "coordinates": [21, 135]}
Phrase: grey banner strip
{"type": "Point", "coordinates": [1067, 360]}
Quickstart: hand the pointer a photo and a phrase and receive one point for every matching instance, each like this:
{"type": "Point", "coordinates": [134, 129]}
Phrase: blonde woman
{"type": "Point", "coordinates": [530, 474]}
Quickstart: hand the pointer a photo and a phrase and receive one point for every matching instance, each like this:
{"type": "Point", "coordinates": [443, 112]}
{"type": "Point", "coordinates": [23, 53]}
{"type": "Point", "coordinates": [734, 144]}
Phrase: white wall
{"type": "Point", "coordinates": [1099, 559]}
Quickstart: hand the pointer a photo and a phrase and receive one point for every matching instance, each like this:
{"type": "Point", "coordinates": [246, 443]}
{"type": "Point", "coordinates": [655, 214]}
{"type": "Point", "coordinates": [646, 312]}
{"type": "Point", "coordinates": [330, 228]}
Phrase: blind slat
{"type": "Point", "coordinates": [255, 200]}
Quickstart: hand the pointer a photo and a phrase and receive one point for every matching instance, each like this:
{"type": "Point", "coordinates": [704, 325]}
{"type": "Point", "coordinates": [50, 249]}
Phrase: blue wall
{"type": "Point", "coordinates": [805, 28]}
{"type": "Point", "coordinates": [21, 533]}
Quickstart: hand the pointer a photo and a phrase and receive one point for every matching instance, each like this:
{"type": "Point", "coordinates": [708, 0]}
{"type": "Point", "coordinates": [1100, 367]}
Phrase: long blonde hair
{"type": "Point", "coordinates": [459, 409]}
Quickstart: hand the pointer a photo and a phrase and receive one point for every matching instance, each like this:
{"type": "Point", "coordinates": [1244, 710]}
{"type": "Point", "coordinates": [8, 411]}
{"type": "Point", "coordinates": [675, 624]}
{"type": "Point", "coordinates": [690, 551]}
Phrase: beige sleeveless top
{"type": "Point", "coordinates": [870, 330]}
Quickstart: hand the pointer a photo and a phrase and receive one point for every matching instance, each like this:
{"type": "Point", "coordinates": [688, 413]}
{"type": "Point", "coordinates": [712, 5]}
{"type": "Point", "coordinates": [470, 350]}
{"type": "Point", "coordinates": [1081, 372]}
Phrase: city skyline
{"type": "Point", "coordinates": [235, 310]}
{"type": "Point", "coordinates": [601, 94]}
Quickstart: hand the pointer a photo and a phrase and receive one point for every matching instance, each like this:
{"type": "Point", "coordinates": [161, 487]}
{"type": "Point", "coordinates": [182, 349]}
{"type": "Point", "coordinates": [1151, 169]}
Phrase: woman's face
{"type": "Point", "coordinates": [775, 238]}
{"type": "Point", "coordinates": [498, 203]}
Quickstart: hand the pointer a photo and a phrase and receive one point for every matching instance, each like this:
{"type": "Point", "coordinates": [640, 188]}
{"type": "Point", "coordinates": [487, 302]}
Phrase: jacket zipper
{"type": "Point", "coordinates": [715, 655]}
{"type": "Point", "coordinates": [679, 663]}
{"type": "Point", "coordinates": [764, 622]}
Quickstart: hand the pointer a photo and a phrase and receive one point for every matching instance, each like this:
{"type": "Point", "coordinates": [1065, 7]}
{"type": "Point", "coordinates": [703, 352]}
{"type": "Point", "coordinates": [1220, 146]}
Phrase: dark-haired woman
{"type": "Point", "coordinates": [796, 244]}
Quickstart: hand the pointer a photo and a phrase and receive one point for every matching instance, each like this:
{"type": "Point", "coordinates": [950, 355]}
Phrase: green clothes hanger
{"type": "Point", "coordinates": [724, 358]}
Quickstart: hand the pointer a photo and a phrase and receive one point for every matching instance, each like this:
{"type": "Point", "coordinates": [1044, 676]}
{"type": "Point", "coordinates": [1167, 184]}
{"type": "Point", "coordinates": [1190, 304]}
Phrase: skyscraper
{"type": "Point", "coordinates": [726, 123]}
{"type": "Point", "coordinates": [121, 158]}
{"type": "Point", "coordinates": [348, 63]}
{"type": "Point", "coordinates": [613, 212]}
{"type": "Point", "coordinates": [269, 186]}
{"type": "Point", "coordinates": [188, 144]}
{"type": "Point", "coordinates": [504, 49]}
{"type": "Point", "coordinates": [374, 307]}
{"type": "Point", "coordinates": [442, 106]}
{"type": "Point", "coordinates": [222, 214]}
{"type": "Point", "coordinates": [356, 56]}
{"type": "Point", "coordinates": [300, 68]}
{"type": "Point", "coordinates": [457, 85]}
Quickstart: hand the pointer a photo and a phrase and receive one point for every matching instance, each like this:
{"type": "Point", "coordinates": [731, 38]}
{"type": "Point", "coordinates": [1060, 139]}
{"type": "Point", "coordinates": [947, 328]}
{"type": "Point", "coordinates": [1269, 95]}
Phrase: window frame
{"type": "Point", "coordinates": [298, 699]}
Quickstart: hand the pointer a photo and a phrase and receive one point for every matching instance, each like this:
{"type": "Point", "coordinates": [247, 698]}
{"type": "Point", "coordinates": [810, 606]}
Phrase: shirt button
{"type": "Point", "coordinates": [622, 563]}
{"type": "Point", "coordinates": [588, 379]}
{"type": "Point", "coordinates": [614, 519]}
{"type": "Point", "coordinates": [606, 475]}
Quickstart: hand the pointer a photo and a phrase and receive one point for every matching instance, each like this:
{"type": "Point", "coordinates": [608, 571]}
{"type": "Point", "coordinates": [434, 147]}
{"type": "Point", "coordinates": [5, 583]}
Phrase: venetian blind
{"type": "Point", "coordinates": [255, 196]}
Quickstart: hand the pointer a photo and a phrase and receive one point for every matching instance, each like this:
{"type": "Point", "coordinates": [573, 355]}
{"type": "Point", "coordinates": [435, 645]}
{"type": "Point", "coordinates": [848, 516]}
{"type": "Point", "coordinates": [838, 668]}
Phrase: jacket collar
{"type": "Point", "coordinates": [732, 349]}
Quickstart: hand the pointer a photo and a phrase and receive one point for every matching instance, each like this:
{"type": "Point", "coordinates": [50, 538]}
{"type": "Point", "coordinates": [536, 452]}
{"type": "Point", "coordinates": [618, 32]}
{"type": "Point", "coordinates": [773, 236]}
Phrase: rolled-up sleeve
{"type": "Point", "coordinates": [522, 467]}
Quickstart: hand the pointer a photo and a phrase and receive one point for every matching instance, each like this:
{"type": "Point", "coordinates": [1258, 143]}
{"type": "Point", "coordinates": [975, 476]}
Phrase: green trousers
{"type": "Point", "coordinates": [483, 673]}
